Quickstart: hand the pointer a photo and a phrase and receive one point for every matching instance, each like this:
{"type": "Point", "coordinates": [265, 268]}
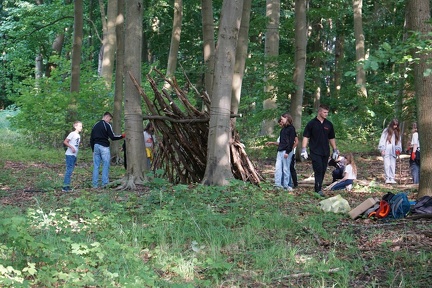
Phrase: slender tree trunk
{"type": "Point", "coordinates": [133, 109]}
{"type": "Point", "coordinates": [241, 55]}
{"type": "Point", "coordinates": [271, 51]}
{"type": "Point", "coordinates": [208, 43]}
{"type": "Point", "coordinates": [339, 57]}
{"type": "Point", "coordinates": [109, 40]}
{"type": "Point", "coordinates": [300, 43]}
{"type": "Point", "coordinates": [175, 40]}
{"type": "Point", "coordinates": [218, 169]}
{"type": "Point", "coordinates": [419, 11]}
{"type": "Point", "coordinates": [76, 59]}
{"type": "Point", "coordinates": [119, 80]}
{"type": "Point", "coordinates": [360, 47]}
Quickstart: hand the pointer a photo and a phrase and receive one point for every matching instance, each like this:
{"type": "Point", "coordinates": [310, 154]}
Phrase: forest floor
{"type": "Point", "coordinates": [412, 236]}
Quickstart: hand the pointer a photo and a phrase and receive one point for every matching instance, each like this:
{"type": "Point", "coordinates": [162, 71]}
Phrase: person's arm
{"type": "Point", "coordinates": [295, 142]}
{"type": "Point", "coordinates": [66, 142]}
{"type": "Point", "coordinates": [272, 143]}
{"type": "Point", "coordinates": [333, 143]}
{"type": "Point", "coordinates": [305, 142]}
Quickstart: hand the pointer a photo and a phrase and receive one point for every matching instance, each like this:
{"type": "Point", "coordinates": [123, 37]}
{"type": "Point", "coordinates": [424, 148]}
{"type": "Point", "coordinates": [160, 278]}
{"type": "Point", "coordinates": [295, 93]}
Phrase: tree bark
{"type": "Point", "coordinates": [240, 62]}
{"type": "Point", "coordinates": [360, 47]}
{"type": "Point", "coordinates": [300, 43]}
{"type": "Point", "coordinates": [208, 44]}
{"type": "Point", "coordinates": [175, 40]}
{"type": "Point", "coordinates": [109, 40]}
{"type": "Point", "coordinates": [271, 51]}
{"type": "Point", "coordinates": [119, 80]}
{"type": "Point", "coordinates": [419, 11]}
{"type": "Point", "coordinates": [218, 169]}
{"type": "Point", "coordinates": [133, 112]}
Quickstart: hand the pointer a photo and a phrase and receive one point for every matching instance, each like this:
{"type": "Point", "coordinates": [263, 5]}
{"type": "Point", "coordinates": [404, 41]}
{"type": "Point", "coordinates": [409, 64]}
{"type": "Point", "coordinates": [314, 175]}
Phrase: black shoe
{"type": "Point", "coordinates": [320, 193]}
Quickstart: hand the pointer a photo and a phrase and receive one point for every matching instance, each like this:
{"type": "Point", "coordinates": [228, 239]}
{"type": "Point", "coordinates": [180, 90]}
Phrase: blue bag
{"type": "Point", "coordinates": [399, 206]}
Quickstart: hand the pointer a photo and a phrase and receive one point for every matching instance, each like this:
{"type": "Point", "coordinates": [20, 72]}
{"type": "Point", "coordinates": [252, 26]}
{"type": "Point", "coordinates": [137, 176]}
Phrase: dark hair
{"type": "Point", "coordinates": [324, 107]}
{"type": "Point", "coordinates": [149, 125]}
{"type": "Point", "coordinates": [108, 114]}
{"type": "Point", "coordinates": [289, 118]}
{"type": "Point", "coordinates": [391, 130]}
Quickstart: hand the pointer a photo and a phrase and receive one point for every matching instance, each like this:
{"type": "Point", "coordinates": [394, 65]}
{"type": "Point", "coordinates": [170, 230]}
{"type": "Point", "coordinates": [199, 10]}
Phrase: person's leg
{"type": "Point", "coordinates": [341, 185]}
{"type": "Point", "coordinates": [278, 171]}
{"type": "Point", "coordinates": [415, 173]}
{"type": "Point", "coordinates": [96, 163]}
{"type": "Point", "coordinates": [70, 165]}
{"type": "Point", "coordinates": [392, 170]}
{"type": "Point", "coordinates": [286, 164]}
{"type": "Point", "coordinates": [106, 161]}
{"type": "Point", "coordinates": [324, 161]}
{"type": "Point", "coordinates": [293, 171]}
{"type": "Point", "coordinates": [387, 168]}
{"type": "Point", "coordinates": [317, 166]}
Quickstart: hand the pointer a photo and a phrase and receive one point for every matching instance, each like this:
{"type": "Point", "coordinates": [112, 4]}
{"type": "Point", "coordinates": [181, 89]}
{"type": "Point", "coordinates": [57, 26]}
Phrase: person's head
{"type": "Point", "coordinates": [107, 117]}
{"type": "Point", "coordinates": [393, 129]}
{"type": "Point", "coordinates": [323, 111]}
{"type": "Point", "coordinates": [414, 127]}
{"type": "Point", "coordinates": [286, 120]}
{"type": "Point", "coordinates": [78, 126]}
{"type": "Point", "coordinates": [280, 122]}
{"type": "Point", "coordinates": [149, 128]}
{"type": "Point", "coordinates": [350, 160]}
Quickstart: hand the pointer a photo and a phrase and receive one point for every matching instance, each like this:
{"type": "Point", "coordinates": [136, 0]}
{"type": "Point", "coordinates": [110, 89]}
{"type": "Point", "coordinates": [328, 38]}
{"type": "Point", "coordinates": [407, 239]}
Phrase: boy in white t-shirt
{"type": "Point", "coordinates": [72, 142]}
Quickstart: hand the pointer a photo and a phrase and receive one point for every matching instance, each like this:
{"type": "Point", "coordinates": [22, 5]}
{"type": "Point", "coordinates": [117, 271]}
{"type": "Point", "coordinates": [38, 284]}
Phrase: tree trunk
{"type": "Point", "coordinates": [119, 81]}
{"type": "Point", "coordinates": [109, 40]}
{"type": "Point", "coordinates": [76, 59]}
{"type": "Point", "coordinates": [419, 11]}
{"type": "Point", "coordinates": [241, 55]}
{"type": "Point", "coordinates": [208, 44]}
{"type": "Point", "coordinates": [339, 57]}
{"type": "Point", "coordinates": [360, 47]}
{"type": "Point", "coordinates": [271, 50]}
{"type": "Point", "coordinates": [300, 43]}
{"type": "Point", "coordinates": [218, 169]}
{"type": "Point", "coordinates": [175, 40]}
{"type": "Point", "coordinates": [133, 111]}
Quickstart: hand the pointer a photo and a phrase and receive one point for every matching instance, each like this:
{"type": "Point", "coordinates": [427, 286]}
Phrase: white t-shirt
{"type": "Point", "coordinates": [74, 140]}
{"type": "Point", "coordinates": [415, 139]}
{"type": "Point", "coordinates": [350, 173]}
{"type": "Point", "coordinates": [148, 140]}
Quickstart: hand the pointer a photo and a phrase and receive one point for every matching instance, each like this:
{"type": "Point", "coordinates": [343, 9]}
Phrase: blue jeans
{"type": "Point", "coordinates": [415, 172]}
{"type": "Point", "coordinates": [341, 185]}
{"type": "Point", "coordinates": [103, 154]}
{"type": "Point", "coordinates": [70, 166]}
{"type": "Point", "coordinates": [282, 169]}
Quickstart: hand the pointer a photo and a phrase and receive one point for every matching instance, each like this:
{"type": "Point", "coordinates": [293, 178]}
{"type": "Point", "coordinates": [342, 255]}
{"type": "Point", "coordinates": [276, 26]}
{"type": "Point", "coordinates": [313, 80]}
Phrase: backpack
{"type": "Point", "coordinates": [399, 205]}
{"type": "Point", "coordinates": [423, 206]}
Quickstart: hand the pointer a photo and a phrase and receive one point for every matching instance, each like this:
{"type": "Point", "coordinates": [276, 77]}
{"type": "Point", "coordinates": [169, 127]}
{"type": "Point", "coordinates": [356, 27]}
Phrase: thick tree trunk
{"type": "Point", "coordinates": [133, 108]}
{"type": "Point", "coordinates": [300, 43]}
{"type": "Point", "coordinates": [175, 40]}
{"type": "Point", "coordinates": [77, 45]}
{"type": "Point", "coordinates": [241, 55]}
{"type": "Point", "coordinates": [419, 11]}
{"type": "Point", "coordinates": [208, 44]}
{"type": "Point", "coordinates": [218, 169]}
{"type": "Point", "coordinates": [360, 47]}
{"type": "Point", "coordinates": [271, 51]}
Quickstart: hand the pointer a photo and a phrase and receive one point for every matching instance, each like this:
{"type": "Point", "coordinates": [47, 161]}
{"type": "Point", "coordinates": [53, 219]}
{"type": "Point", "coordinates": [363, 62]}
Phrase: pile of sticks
{"type": "Point", "coordinates": [181, 150]}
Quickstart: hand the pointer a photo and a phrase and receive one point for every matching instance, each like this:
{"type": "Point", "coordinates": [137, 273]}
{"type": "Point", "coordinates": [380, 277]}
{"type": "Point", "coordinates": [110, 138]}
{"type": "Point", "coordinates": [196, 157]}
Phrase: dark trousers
{"type": "Point", "coordinates": [319, 166]}
{"type": "Point", "coordinates": [293, 171]}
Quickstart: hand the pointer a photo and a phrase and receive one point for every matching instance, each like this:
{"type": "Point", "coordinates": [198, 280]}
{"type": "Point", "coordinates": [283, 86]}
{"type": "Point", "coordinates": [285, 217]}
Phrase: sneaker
{"type": "Point", "coordinates": [289, 188]}
{"type": "Point", "coordinates": [65, 190]}
{"type": "Point", "coordinates": [392, 181]}
{"type": "Point", "coordinates": [320, 193]}
{"type": "Point", "coordinates": [349, 187]}
{"type": "Point", "coordinates": [388, 181]}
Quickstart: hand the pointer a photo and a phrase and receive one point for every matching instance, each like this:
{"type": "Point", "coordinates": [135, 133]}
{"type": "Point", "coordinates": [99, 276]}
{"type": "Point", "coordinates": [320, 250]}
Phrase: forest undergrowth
{"type": "Point", "coordinates": [165, 235]}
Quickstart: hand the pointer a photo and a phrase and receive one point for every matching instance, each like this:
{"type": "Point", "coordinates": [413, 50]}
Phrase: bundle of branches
{"type": "Point", "coordinates": [182, 151]}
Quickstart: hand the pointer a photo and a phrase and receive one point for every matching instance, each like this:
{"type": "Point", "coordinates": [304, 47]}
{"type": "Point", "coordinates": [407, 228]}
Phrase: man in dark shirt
{"type": "Point", "coordinates": [99, 142]}
{"type": "Point", "coordinates": [319, 132]}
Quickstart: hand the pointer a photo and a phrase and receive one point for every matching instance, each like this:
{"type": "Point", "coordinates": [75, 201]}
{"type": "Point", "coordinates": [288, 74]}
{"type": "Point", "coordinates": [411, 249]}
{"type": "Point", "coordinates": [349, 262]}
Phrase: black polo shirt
{"type": "Point", "coordinates": [319, 135]}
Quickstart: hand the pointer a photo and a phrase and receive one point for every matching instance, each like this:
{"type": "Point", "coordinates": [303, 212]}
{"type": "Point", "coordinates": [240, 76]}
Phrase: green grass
{"type": "Point", "coordinates": [185, 235]}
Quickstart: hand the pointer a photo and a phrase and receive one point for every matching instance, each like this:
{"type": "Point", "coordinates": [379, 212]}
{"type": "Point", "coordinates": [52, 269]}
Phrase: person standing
{"type": "Point", "coordinates": [415, 155]}
{"type": "Point", "coordinates": [390, 146]}
{"type": "Point", "coordinates": [72, 142]}
{"type": "Point", "coordinates": [294, 181]}
{"type": "Point", "coordinates": [149, 141]}
{"type": "Point", "coordinates": [285, 151]}
{"type": "Point", "coordinates": [319, 133]}
{"type": "Point", "coordinates": [99, 142]}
